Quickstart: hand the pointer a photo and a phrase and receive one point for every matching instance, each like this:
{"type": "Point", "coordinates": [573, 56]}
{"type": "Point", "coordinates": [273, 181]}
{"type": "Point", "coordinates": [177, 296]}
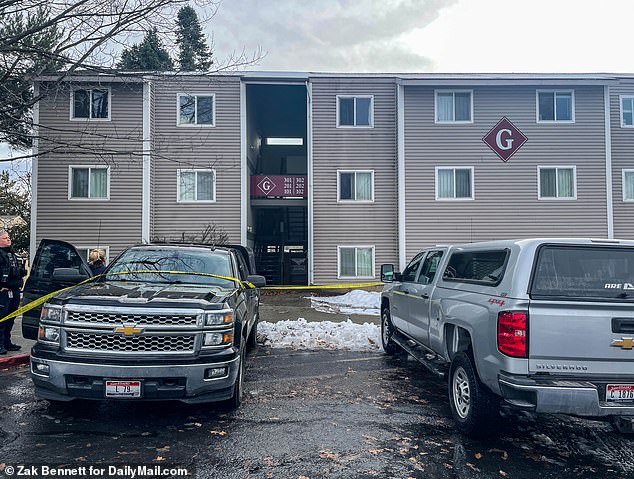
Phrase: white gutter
{"type": "Point", "coordinates": [147, 161]}
{"type": "Point", "coordinates": [34, 166]}
{"type": "Point", "coordinates": [243, 165]}
{"type": "Point", "coordinates": [309, 141]}
{"type": "Point", "coordinates": [400, 132]}
{"type": "Point", "coordinates": [608, 162]}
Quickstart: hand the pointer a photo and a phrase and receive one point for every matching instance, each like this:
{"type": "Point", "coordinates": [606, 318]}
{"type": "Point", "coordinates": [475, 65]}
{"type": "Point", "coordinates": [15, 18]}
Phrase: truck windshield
{"type": "Point", "coordinates": [584, 272]}
{"type": "Point", "coordinates": [173, 266]}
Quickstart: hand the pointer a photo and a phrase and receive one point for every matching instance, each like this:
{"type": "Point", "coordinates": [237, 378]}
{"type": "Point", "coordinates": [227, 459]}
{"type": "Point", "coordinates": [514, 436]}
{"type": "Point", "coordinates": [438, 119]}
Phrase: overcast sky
{"type": "Point", "coordinates": [429, 35]}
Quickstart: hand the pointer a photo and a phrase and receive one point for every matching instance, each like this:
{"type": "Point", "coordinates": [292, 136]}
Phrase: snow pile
{"type": "Point", "coordinates": [354, 302]}
{"type": "Point", "coordinates": [301, 334]}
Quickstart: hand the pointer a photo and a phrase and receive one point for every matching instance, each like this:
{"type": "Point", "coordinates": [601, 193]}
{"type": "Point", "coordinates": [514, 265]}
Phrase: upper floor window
{"type": "Point", "coordinates": [628, 185]}
{"type": "Point", "coordinates": [454, 106]}
{"type": "Point", "coordinates": [196, 110]}
{"type": "Point", "coordinates": [89, 104]}
{"type": "Point", "coordinates": [454, 183]}
{"type": "Point", "coordinates": [89, 182]}
{"type": "Point", "coordinates": [355, 111]}
{"type": "Point", "coordinates": [555, 106]}
{"type": "Point", "coordinates": [627, 111]}
{"type": "Point", "coordinates": [356, 261]}
{"type": "Point", "coordinates": [557, 182]}
{"type": "Point", "coordinates": [355, 185]}
{"type": "Point", "coordinates": [196, 186]}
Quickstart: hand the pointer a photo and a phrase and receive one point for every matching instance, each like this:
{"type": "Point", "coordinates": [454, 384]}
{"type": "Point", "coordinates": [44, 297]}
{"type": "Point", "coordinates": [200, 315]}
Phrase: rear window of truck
{"type": "Point", "coordinates": [583, 273]}
{"type": "Point", "coordinates": [479, 267]}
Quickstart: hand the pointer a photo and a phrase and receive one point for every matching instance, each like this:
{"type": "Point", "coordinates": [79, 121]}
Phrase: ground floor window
{"type": "Point", "coordinates": [628, 185]}
{"type": "Point", "coordinates": [454, 183]}
{"type": "Point", "coordinates": [89, 182]}
{"type": "Point", "coordinates": [557, 182]}
{"type": "Point", "coordinates": [196, 186]}
{"type": "Point", "coordinates": [356, 261]}
{"type": "Point", "coordinates": [84, 252]}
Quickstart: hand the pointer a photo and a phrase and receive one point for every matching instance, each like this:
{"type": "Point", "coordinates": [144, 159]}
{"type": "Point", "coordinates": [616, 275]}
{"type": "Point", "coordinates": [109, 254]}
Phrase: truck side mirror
{"type": "Point", "coordinates": [387, 273]}
{"type": "Point", "coordinates": [257, 280]}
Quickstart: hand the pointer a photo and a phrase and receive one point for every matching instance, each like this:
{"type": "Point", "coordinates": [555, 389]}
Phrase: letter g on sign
{"type": "Point", "coordinates": [508, 141]}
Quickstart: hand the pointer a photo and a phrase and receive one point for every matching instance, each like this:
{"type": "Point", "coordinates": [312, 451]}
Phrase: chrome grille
{"type": "Point", "coordinates": [144, 343]}
{"type": "Point", "coordinates": [94, 317]}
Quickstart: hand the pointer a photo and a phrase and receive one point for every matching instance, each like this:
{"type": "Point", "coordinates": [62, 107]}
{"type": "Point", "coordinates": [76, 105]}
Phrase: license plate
{"type": "Point", "coordinates": [123, 389]}
{"type": "Point", "coordinates": [619, 392]}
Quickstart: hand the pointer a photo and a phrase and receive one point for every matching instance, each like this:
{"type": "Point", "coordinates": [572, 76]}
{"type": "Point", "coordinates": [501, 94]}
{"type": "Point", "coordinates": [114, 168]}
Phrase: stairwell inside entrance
{"type": "Point", "coordinates": [277, 158]}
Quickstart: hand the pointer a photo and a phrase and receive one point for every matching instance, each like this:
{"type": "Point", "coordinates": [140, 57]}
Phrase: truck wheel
{"type": "Point", "coordinates": [474, 408]}
{"type": "Point", "coordinates": [238, 389]}
{"type": "Point", "coordinates": [387, 331]}
{"type": "Point", "coordinates": [252, 342]}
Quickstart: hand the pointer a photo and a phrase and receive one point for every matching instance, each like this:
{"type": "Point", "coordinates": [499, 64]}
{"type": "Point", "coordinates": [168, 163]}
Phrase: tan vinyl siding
{"type": "Point", "coordinates": [117, 143]}
{"type": "Point", "coordinates": [506, 204]}
{"type": "Point", "coordinates": [199, 147]}
{"type": "Point", "coordinates": [622, 158]}
{"type": "Point", "coordinates": [353, 149]}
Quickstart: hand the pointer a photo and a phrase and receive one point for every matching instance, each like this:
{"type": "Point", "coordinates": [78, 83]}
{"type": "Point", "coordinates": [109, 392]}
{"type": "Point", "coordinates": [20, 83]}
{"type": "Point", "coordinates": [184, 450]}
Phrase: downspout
{"type": "Point", "coordinates": [608, 162]}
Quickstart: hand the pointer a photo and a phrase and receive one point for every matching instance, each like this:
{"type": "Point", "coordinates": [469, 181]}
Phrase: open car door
{"type": "Point", "coordinates": [51, 255]}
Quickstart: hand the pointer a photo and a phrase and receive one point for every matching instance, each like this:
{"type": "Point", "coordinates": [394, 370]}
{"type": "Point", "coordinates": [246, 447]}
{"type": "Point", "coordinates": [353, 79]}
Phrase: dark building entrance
{"type": "Point", "coordinates": [278, 165]}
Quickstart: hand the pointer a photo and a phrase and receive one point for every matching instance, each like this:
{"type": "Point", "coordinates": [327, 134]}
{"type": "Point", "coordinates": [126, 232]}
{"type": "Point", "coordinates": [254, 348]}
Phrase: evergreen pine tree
{"type": "Point", "coordinates": [149, 55]}
{"type": "Point", "coordinates": [194, 52]}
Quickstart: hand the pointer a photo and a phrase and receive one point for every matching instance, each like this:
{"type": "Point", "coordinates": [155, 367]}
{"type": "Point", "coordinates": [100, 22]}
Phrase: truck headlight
{"type": "Point", "coordinates": [49, 334]}
{"type": "Point", "coordinates": [217, 318]}
{"type": "Point", "coordinates": [52, 314]}
{"type": "Point", "coordinates": [217, 339]}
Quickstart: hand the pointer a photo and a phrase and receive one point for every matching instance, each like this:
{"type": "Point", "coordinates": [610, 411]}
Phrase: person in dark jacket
{"type": "Point", "coordinates": [97, 261]}
{"type": "Point", "coordinates": [11, 273]}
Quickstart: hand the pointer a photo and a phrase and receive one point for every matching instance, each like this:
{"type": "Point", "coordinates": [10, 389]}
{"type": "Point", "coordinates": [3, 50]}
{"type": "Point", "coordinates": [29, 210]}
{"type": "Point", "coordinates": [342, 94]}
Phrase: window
{"type": "Point", "coordinates": [628, 185]}
{"type": "Point", "coordinates": [428, 271]}
{"type": "Point", "coordinates": [355, 111]}
{"type": "Point", "coordinates": [356, 261]}
{"type": "Point", "coordinates": [485, 267]}
{"type": "Point", "coordinates": [557, 182]}
{"type": "Point", "coordinates": [555, 106]}
{"type": "Point", "coordinates": [409, 274]}
{"type": "Point", "coordinates": [196, 110]}
{"type": "Point", "coordinates": [89, 182]}
{"type": "Point", "coordinates": [627, 112]}
{"type": "Point", "coordinates": [355, 185]}
{"type": "Point", "coordinates": [454, 106]}
{"type": "Point", "coordinates": [196, 185]}
{"type": "Point", "coordinates": [454, 183]}
{"type": "Point", "coordinates": [84, 251]}
{"type": "Point", "coordinates": [90, 104]}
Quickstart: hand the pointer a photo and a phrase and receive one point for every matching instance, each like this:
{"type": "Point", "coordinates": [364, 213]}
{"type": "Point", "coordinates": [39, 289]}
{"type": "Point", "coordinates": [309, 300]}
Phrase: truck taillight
{"type": "Point", "coordinates": [513, 333]}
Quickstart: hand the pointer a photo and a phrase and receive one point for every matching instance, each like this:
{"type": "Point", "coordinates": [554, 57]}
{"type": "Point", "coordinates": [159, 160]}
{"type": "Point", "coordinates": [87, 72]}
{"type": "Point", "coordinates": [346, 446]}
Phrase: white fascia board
{"type": "Point", "coordinates": [34, 167]}
{"type": "Point", "coordinates": [244, 166]}
{"type": "Point", "coordinates": [147, 161]}
{"type": "Point", "coordinates": [608, 162]}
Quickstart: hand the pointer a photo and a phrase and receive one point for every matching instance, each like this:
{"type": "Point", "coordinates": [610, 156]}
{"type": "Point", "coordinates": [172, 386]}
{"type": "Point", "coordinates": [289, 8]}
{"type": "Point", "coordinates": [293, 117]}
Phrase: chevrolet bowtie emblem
{"type": "Point", "coordinates": [624, 343]}
{"type": "Point", "coordinates": [128, 330]}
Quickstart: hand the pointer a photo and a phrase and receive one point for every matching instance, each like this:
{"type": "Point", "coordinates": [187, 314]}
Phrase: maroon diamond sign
{"type": "Point", "coordinates": [505, 139]}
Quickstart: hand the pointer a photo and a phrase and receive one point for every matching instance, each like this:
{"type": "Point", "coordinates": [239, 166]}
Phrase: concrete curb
{"type": "Point", "coordinates": [12, 361]}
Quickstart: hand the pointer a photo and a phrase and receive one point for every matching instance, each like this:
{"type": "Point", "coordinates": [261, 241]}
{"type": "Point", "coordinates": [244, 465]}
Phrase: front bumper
{"type": "Point", "coordinates": [578, 397]}
{"type": "Point", "coordinates": [73, 379]}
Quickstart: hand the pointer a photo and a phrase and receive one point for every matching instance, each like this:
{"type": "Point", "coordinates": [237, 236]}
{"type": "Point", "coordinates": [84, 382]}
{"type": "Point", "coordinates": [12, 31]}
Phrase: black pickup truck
{"type": "Point", "coordinates": [163, 321]}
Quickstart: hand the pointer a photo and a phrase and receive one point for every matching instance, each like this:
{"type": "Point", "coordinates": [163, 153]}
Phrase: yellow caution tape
{"type": "Point", "coordinates": [243, 284]}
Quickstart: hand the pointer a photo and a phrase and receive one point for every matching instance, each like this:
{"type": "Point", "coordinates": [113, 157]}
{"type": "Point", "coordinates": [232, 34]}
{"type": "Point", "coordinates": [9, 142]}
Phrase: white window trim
{"type": "Point", "coordinates": [194, 170]}
{"type": "Point", "coordinates": [438, 168]}
{"type": "Point", "coordinates": [456, 122]}
{"type": "Point", "coordinates": [70, 182]}
{"type": "Point", "coordinates": [339, 200]}
{"type": "Point", "coordinates": [89, 248]}
{"type": "Point", "coordinates": [339, 247]}
{"type": "Point", "coordinates": [195, 125]}
{"type": "Point", "coordinates": [572, 106]}
{"type": "Point", "coordinates": [71, 114]}
{"type": "Point", "coordinates": [371, 97]}
{"type": "Point", "coordinates": [623, 172]}
{"type": "Point", "coordinates": [621, 98]}
{"type": "Point", "coordinates": [556, 167]}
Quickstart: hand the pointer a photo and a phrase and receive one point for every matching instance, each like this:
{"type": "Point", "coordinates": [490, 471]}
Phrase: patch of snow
{"type": "Point", "coordinates": [353, 302]}
{"type": "Point", "coordinates": [301, 334]}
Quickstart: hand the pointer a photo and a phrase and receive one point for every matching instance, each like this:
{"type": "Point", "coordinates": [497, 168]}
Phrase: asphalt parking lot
{"type": "Point", "coordinates": [328, 414]}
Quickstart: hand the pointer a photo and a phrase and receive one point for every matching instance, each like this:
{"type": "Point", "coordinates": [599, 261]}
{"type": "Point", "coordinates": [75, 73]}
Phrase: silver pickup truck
{"type": "Point", "coordinates": [545, 325]}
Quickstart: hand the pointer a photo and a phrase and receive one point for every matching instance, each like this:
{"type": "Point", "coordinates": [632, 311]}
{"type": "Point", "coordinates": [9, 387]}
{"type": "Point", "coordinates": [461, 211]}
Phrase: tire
{"type": "Point", "coordinates": [387, 332]}
{"type": "Point", "coordinates": [238, 387]}
{"type": "Point", "coordinates": [252, 342]}
{"type": "Point", "coordinates": [474, 408]}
